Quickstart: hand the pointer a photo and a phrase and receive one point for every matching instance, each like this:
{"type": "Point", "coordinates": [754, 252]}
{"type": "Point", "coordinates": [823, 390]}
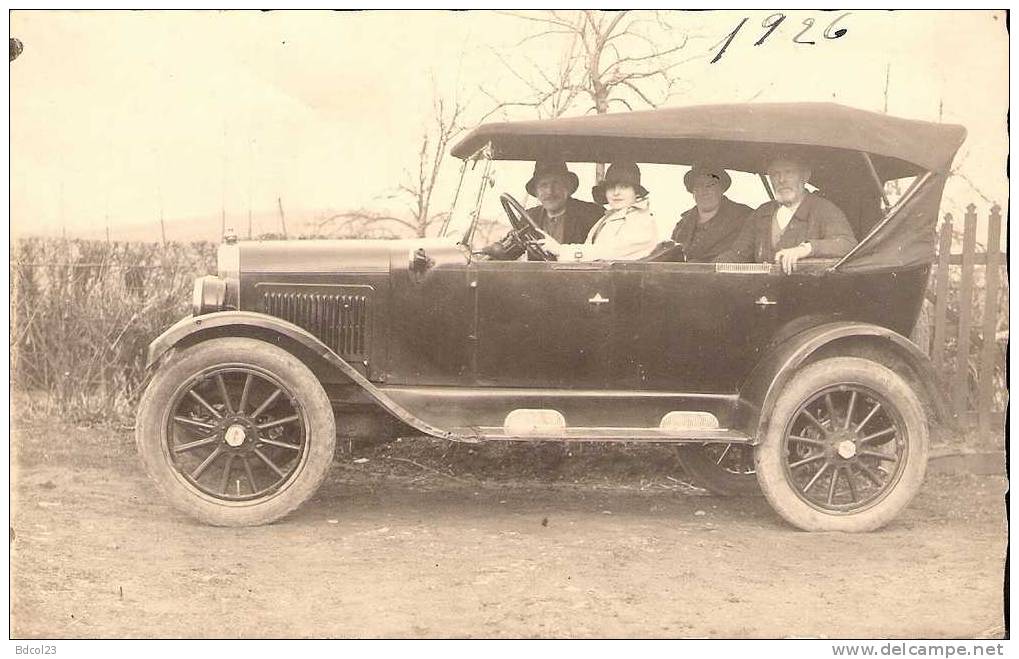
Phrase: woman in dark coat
{"type": "Point", "coordinates": [710, 227]}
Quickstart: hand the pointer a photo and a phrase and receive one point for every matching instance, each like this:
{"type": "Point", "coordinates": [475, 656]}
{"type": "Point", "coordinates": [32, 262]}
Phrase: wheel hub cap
{"type": "Point", "coordinates": [846, 449]}
{"type": "Point", "coordinates": [235, 435]}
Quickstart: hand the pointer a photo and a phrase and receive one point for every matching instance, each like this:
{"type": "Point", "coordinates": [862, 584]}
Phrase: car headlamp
{"type": "Point", "coordinates": [209, 295]}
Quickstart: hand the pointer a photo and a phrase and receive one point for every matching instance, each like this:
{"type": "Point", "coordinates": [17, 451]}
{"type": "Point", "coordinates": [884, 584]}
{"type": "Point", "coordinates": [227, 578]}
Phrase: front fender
{"type": "Point", "coordinates": [209, 323]}
{"type": "Point", "coordinates": [229, 323]}
{"type": "Point", "coordinates": [762, 387]}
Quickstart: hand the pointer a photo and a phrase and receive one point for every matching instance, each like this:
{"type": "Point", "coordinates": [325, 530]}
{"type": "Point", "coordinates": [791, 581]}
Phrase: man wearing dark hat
{"type": "Point", "coordinates": [566, 219]}
{"type": "Point", "coordinates": [796, 225]}
{"type": "Point", "coordinates": [710, 227]}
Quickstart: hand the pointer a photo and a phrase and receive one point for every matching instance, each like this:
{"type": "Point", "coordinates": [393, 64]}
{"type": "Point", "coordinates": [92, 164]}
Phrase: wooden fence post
{"type": "Point", "coordinates": [941, 294]}
{"type": "Point", "coordinates": [960, 388]}
{"type": "Point", "coordinates": [989, 353]}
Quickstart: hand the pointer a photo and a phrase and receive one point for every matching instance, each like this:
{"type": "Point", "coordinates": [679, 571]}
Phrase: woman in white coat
{"type": "Point", "coordinates": [626, 231]}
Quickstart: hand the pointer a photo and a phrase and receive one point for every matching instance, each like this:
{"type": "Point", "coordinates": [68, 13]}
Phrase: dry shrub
{"type": "Point", "coordinates": [83, 313]}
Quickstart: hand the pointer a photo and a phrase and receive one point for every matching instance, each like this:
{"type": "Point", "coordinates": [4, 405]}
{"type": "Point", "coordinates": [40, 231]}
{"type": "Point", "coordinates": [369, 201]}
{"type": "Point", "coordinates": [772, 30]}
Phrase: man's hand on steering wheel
{"type": "Point", "coordinates": [525, 232]}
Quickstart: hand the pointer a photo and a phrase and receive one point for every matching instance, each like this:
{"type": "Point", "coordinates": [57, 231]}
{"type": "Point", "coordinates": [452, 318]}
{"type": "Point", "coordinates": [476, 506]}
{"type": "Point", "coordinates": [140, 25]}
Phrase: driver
{"type": "Point", "coordinates": [626, 231]}
{"type": "Point", "coordinates": [560, 215]}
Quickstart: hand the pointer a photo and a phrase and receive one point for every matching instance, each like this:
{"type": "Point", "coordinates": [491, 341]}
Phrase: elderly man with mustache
{"type": "Point", "coordinates": [797, 224]}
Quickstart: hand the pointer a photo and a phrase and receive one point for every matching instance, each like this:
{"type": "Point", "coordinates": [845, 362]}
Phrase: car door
{"type": "Point", "coordinates": [544, 324]}
{"type": "Point", "coordinates": [702, 327]}
{"type": "Point", "coordinates": [428, 329]}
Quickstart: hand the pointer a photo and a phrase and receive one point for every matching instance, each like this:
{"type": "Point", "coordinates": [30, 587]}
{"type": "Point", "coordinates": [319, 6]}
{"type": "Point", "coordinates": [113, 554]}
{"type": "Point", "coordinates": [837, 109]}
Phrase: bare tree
{"type": "Point", "coordinates": [413, 197]}
{"type": "Point", "coordinates": [608, 58]}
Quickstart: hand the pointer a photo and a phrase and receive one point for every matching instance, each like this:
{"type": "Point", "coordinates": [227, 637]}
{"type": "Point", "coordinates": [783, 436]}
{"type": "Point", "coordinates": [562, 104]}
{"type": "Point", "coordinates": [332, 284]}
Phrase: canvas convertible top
{"type": "Point", "coordinates": [738, 135]}
{"type": "Point", "coordinates": [831, 138]}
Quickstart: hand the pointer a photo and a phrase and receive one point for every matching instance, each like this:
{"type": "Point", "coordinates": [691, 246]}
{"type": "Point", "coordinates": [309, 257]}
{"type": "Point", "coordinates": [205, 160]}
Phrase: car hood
{"type": "Point", "coordinates": [327, 256]}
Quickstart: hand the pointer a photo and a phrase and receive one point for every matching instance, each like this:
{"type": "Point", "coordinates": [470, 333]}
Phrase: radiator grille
{"type": "Point", "coordinates": [340, 320]}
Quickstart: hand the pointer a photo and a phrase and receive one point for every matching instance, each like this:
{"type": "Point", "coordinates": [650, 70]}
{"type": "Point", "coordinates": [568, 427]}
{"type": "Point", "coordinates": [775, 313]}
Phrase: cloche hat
{"type": "Point", "coordinates": [619, 172]}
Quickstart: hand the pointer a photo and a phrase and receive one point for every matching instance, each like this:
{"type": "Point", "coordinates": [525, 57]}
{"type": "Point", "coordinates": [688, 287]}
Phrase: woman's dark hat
{"type": "Point", "coordinates": [723, 177]}
{"type": "Point", "coordinates": [619, 172]}
{"type": "Point", "coordinates": [544, 168]}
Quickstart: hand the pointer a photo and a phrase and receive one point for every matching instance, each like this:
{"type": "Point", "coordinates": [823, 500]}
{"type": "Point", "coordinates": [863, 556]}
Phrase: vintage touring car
{"type": "Point", "coordinates": [804, 385]}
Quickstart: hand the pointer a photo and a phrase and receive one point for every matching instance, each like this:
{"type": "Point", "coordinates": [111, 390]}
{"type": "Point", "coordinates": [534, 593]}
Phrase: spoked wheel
{"type": "Point", "coordinates": [236, 454]}
{"type": "Point", "coordinates": [838, 460]}
{"type": "Point", "coordinates": [847, 448]}
{"type": "Point", "coordinates": [723, 469]}
{"type": "Point", "coordinates": [236, 431]}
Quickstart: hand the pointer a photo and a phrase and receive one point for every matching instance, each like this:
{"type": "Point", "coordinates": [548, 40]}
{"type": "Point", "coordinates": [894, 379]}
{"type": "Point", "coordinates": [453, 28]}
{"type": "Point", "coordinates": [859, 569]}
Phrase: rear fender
{"type": "Point", "coordinates": [772, 373]}
{"type": "Point", "coordinates": [294, 339]}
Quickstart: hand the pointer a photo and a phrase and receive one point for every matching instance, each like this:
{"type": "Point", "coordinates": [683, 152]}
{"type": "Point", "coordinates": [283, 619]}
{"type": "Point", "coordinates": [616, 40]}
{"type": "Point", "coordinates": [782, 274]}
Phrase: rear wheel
{"type": "Point", "coordinates": [236, 431]}
{"type": "Point", "coordinates": [723, 469]}
{"type": "Point", "coordinates": [847, 447]}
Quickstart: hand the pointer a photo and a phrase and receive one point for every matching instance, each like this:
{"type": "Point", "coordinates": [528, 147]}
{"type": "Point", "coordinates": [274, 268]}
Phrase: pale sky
{"type": "Point", "coordinates": [120, 114]}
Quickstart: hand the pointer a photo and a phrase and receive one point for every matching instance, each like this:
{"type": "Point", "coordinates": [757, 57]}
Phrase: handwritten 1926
{"type": "Point", "coordinates": [771, 24]}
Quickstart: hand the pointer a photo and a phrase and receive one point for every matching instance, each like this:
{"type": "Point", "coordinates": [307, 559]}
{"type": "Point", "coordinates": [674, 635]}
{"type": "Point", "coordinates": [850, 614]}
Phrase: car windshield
{"type": "Point", "coordinates": [475, 179]}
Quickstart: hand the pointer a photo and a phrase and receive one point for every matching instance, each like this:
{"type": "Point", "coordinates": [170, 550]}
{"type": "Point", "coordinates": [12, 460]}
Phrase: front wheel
{"type": "Point", "coordinates": [235, 431]}
{"type": "Point", "coordinates": [846, 449]}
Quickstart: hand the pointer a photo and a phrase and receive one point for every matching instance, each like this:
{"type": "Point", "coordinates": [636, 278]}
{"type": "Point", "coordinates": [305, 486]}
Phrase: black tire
{"type": "Point", "coordinates": [265, 422]}
{"type": "Point", "coordinates": [724, 469]}
{"type": "Point", "coordinates": [844, 421]}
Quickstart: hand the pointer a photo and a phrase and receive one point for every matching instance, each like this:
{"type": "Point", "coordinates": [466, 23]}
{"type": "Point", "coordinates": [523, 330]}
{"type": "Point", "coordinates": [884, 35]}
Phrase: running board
{"type": "Point", "coordinates": [607, 434]}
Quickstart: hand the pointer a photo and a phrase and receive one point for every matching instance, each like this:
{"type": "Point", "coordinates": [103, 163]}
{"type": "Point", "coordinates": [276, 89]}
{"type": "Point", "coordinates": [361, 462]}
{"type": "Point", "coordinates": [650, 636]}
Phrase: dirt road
{"type": "Point", "coordinates": [97, 553]}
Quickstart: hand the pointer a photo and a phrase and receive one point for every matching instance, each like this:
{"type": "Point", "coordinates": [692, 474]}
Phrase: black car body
{"type": "Point", "coordinates": [428, 337]}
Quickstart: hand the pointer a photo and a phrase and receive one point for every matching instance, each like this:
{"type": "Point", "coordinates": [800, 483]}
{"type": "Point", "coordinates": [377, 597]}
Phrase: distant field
{"type": "Point", "coordinates": [183, 229]}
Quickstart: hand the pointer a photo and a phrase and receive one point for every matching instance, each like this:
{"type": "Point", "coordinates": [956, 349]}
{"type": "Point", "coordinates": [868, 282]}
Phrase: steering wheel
{"type": "Point", "coordinates": [525, 232]}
